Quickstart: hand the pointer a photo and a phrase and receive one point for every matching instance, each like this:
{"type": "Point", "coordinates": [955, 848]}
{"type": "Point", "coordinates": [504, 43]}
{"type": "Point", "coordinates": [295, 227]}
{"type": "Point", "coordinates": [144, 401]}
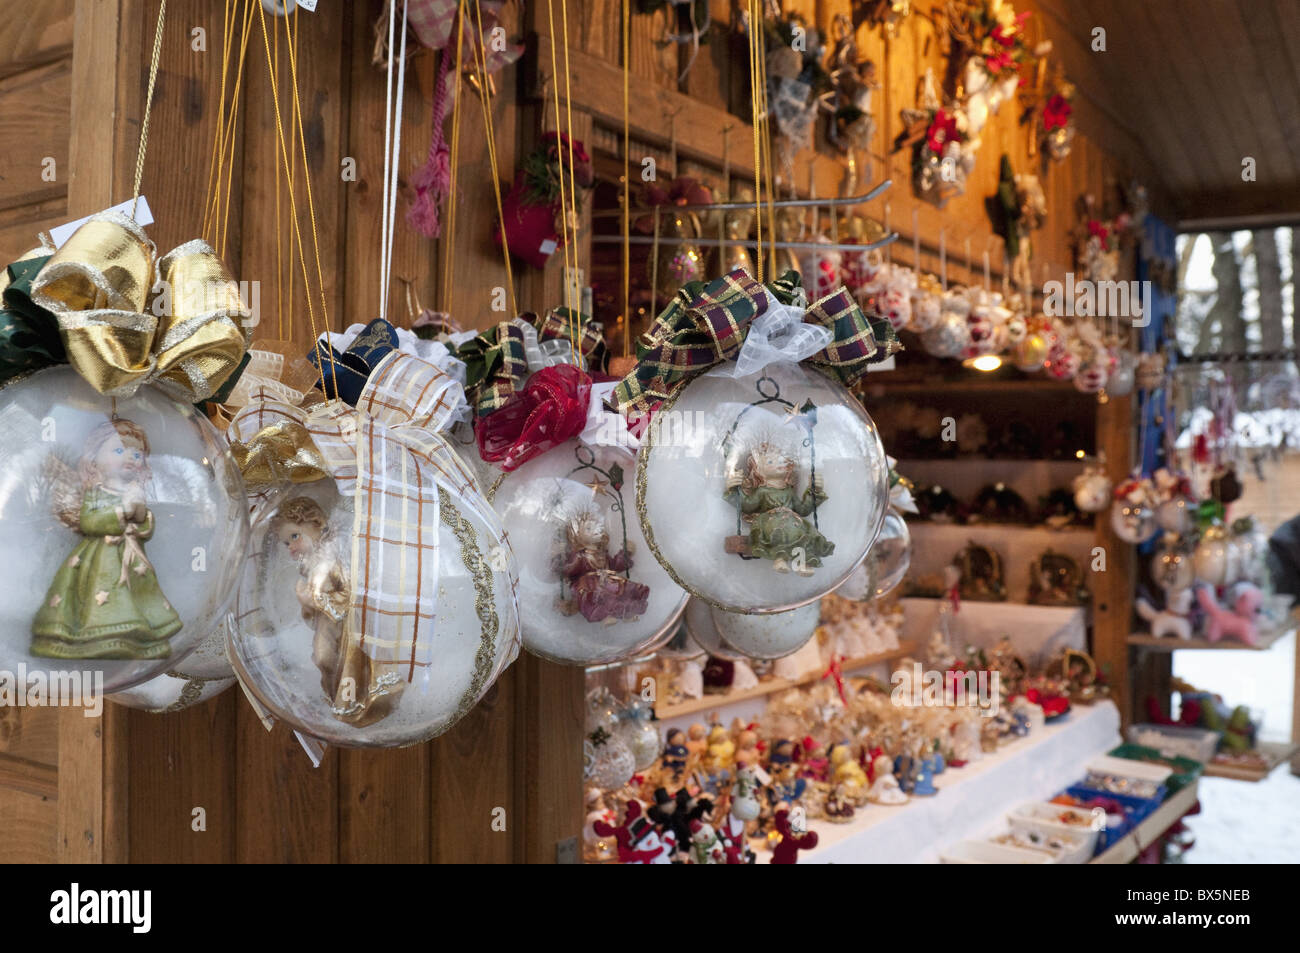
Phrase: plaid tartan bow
{"type": "Point", "coordinates": [496, 363]}
{"type": "Point", "coordinates": [706, 324]}
{"type": "Point", "coordinates": [389, 457]}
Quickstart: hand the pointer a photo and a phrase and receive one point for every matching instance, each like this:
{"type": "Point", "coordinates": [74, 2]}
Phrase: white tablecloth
{"type": "Point", "coordinates": [971, 798]}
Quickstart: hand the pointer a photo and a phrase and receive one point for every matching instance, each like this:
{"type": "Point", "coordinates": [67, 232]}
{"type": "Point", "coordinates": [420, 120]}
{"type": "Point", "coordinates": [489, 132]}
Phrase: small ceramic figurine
{"type": "Point", "coordinates": [1240, 622]}
{"type": "Point", "coordinates": [813, 764]}
{"type": "Point", "coordinates": [706, 847]}
{"type": "Point", "coordinates": [923, 783]}
{"type": "Point", "coordinates": [105, 601]}
{"type": "Point", "coordinates": [596, 579]}
{"type": "Point", "coordinates": [764, 492]}
{"type": "Point", "coordinates": [697, 742]}
{"type": "Point", "coordinates": [839, 807]}
{"type": "Point", "coordinates": [638, 839]}
{"type": "Point", "coordinates": [675, 755]}
{"type": "Point", "coordinates": [673, 813]}
{"type": "Point", "coordinates": [847, 774]}
{"type": "Point", "coordinates": [721, 750]}
{"type": "Point", "coordinates": [787, 849]}
{"type": "Point", "coordinates": [355, 692]}
{"type": "Point", "coordinates": [598, 849]}
{"type": "Point", "coordinates": [885, 789]}
{"type": "Point", "coordinates": [1174, 619]}
{"type": "Point", "coordinates": [747, 753]}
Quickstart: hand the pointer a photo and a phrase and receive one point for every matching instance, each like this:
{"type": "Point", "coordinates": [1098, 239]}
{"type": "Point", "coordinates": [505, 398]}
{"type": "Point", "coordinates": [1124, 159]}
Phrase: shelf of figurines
{"type": "Point", "coordinates": [1127, 848]}
{"type": "Point", "coordinates": [1254, 765]}
{"type": "Point", "coordinates": [1264, 641]}
{"type": "Point", "coordinates": [772, 686]}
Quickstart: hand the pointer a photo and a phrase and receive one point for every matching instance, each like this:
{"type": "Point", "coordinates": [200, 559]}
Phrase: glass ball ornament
{"type": "Point", "coordinates": [1172, 567]}
{"type": "Point", "coordinates": [1093, 372]}
{"type": "Point", "coordinates": [761, 493]}
{"type": "Point", "coordinates": [926, 308]}
{"type": "Point", "coordinates": [1031, 353]}
{"type": "Point", "coordinates": [1092, 490]}
{"type": "Point", "coordinates": [678, 264]}
{"type": "Point", "coordinates": [203, 674]}
{"type": "Point", "coordinates": [1250, 551]}
{"type": "Point", "coordinates": [608, 762]}
{"type": "Point", "coordinates": [820, 269]}
{"type": "Point", "coordinates": [771, 636]}
{"type": "Point", "coordinates": [636, 729]}
{"type": "Point", "coordinates": [1174, 515]}
{"type": "Point", "coordinates": [1133, 521]}
{"type": "Point", "coordinates": [699, 623]}
{"type": "Point", "coordinates": [1214, 558]}
{"type": "Point", "coordinates": [949, 336]}
{"type": "Point", "coordinates": [886, 564]}
{"type": "Point", "coordinates": [593, 591]}
{"type": "Point", "coordinates": [1123, 376]}
{"type": "Point", "coordinates": [313, 650]}
{"type": "Point", "coordinates": [126, 527]}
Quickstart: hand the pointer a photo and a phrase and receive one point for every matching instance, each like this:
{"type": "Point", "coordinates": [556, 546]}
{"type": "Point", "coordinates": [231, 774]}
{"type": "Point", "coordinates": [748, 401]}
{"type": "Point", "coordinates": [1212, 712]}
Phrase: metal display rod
{"type": "Point", "coordinates": [1290, 354]}
{"type": "Point", "coordinates": [729, 242]}
{"type": "Point", "coordinates": [737, 206]}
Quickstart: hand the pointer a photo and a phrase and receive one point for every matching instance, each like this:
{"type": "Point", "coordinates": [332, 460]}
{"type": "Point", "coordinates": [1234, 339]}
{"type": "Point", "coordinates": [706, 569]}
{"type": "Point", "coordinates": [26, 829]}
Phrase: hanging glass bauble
{"type": "Point", "coordinates": [125, 527]}
{"type": "Point", "coordinates": [820, 270]}
{"type": "Point", "coordinates": [771, 636]}
{"type": "Point", "coordinates": [762, 492]}
{"type": "Point", "coordinates": [949, 336]}
{"type": "Point", "coordinates": [1092, 490]}
{"type": "Point", "coordinates": [1031, 353]}
{"type": "Point", "coordinates": [1214, 558]}
{"type": "Point", "coordinates": [1250, 551]}
{"type": "Point", "coordinates": [1093, 372]}
{"type": "Point", "coordinates": [350, 668]}
{"type": "Point", "coordinates": [608, 763]}
{"type": "Point", "coordinates": [1171, 565]}
{"type": "Point", "coordinates": [886, 564]}
{"type": "Point", "coordinates": [699, 622]}
{"type": "Point", "coordinates": [593, 592]}
{"type": "Point", "coordinates": [926, 304]}
{"type": "Point", "coordinates": [636, 729]}
{"type": "Point", "coordinates": [677, 264]}
{"type": "Point", "coordinates": [205, 673]}
{"type": "Point", "coordinates": [1123, 377]}
{"type": "Point", "coordinates": [1133, 521]}
{"type": "Point", "coordinates": [1175, 515]}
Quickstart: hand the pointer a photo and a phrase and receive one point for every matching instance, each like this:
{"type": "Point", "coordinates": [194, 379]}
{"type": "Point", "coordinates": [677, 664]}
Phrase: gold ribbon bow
{"type": "Point", "coordinates": [127, 318]}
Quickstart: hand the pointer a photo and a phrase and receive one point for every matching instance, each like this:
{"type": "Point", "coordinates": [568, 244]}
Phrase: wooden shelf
{"type": "Point", "coordinates": [774, 685]}
{"type": "Point", "coordinates": [1169, 643]}
{"type": "Point", "coordinates": [1148, 832]}
{"type": "Point", "coordinates": [1276, 752]}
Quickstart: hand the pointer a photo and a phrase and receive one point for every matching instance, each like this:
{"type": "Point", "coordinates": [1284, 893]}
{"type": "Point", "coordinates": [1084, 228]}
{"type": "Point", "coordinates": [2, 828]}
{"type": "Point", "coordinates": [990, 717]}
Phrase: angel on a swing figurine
{"type": "Point", "coordinates": [105, 601]}
{"type": "Point", "coordinates": [596, 578]}
{"type": "Point", "coordinates": [764, 492]}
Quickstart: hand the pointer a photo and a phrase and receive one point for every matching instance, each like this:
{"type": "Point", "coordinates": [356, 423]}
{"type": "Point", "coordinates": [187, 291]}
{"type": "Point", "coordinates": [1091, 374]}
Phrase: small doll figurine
{"type": "Point", "coordinates": [722, 749]}
{"type": "Point", "coordinates": [355, 694]}
{"type": "Point", "coordinates": [814, 763]}
{"type": "Point", "coordinates": [787, 849]}
{"type": "Point", "coordinates": [765, 495]}
{"type": "Point", "coordinates": [747, 752]}
{"type": "Point", "coordinates": [675, 754]}
{"type": "Point", "coordinates": [706, 846]}
{"type": "Point", "coordinates": [697, 743]}
{"type": "Point", "coordinates": [596, 588]}
{"type": "Point", "coordinates": [885, 789]}
{"type": "Point", "coordinates": [638, 839]}
{"type": "Point", "coordinates": [105, 601]}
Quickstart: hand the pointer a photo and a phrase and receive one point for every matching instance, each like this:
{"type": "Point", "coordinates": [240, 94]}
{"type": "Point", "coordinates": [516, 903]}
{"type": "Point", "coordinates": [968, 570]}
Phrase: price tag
{"type": "Point", "coordinates": [308, 5]}
{"type": "Point", "coordinates": [60, 234]}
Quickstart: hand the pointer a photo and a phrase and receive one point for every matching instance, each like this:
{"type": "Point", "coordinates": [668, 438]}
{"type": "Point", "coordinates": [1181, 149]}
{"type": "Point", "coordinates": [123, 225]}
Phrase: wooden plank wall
{"type": "Point", "coordinates": [128, 791]}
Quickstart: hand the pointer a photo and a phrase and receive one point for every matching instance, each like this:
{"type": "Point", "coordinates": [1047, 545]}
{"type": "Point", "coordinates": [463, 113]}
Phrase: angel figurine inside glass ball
{"type": "Point", "coordinates": [778, 518]}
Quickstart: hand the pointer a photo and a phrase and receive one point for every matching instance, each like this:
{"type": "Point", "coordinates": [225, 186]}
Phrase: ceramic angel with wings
{"type": "Point", "coordinates": [105, 601]}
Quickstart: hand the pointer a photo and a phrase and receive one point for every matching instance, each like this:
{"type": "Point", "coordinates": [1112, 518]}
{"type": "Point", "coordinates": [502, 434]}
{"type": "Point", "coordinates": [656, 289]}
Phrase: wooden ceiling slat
{"type": "Point", "coordinates": [1265, 87]}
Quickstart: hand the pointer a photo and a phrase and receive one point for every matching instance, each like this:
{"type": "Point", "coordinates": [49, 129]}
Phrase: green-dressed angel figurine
{"type": "Point", "coordinates": [105, 602]}
{"type": "Point", "coordinates": [764, 491]}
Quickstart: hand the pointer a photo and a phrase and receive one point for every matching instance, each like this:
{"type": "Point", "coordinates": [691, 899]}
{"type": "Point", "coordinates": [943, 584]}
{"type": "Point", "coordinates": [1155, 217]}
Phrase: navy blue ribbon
{"type": "Point", "coordinates": [346, 374]}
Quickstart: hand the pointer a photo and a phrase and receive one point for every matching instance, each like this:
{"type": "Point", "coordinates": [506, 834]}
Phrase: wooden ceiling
{"type": "Point", "coordinates": [1202, 85]}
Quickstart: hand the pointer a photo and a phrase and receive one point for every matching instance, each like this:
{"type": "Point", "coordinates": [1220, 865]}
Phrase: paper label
{"type": "Point", "coordinates": [548, 247]}
{"type": "Point", "coordinates": [308, 5]}
{"type": "Point", "coordinates": [60, 234]}
{"type": "Point", "coordinates": [886, 365]}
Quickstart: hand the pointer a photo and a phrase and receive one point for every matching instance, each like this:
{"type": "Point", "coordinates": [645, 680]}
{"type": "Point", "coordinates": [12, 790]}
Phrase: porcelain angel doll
{"type": "Point", "coordinates": [355, 693]}
{"type": "Point", "coordinates": [594, 576]}
{"type": "Point", "coordinates": [105, 601]}
{"type": "Point", "coordinates": [779, 530]}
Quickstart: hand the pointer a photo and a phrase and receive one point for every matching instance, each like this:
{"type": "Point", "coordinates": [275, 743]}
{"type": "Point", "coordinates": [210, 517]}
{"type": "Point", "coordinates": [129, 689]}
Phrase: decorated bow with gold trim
{"type": "Point", "coordinates": [706, 324]}
{"type": "Point", "coordinates": [388, 457]}
{"type": "Point", "coordinates": [497, 361]}
{"type": "Point", "coordinates": [127, 318]}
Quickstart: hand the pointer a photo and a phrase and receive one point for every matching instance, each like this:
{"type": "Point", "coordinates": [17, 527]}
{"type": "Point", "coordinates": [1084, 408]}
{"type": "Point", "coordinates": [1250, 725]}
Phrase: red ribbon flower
{"type": "Point", "coordinates": [1099, 231]}
{"type": "Point", "coordinates": [1056, 114]}
{"type": "Point", "coordinates": [550, 409]}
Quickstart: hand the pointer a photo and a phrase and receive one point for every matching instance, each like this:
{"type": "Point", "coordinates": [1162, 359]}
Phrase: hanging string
{"type": "Point", "coordinates": [392, 156]}
{"type": "Point", "coordinates": [766, 138]}
{"type": "Point", "coordinates": [230, 129]}
{"type": "Point", "coordinates": [571, 280]}
{"type": "Point", "coordinates": [559, 153]}
{"type": "Point", "coordinates": [226, 31]}
{"type": "Point", "coordinates": [627, 187]}
{"type": "Point", "coordinates": [293, 212]}
{"type": "Point", "coordinates": [148, 105]}
{"type": "Point", "coordinates": [217, 211]}
{"type": "Point", "coordinates": [756, 51]}
{"type": "Point", "coordinates": [279, 172]}
{"type": "Point", "coordinates": [311, 201]}
{"type": "Point", "coordinates": [449, 244]}
{"type": "Point", "coordinates": [485, 100]}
